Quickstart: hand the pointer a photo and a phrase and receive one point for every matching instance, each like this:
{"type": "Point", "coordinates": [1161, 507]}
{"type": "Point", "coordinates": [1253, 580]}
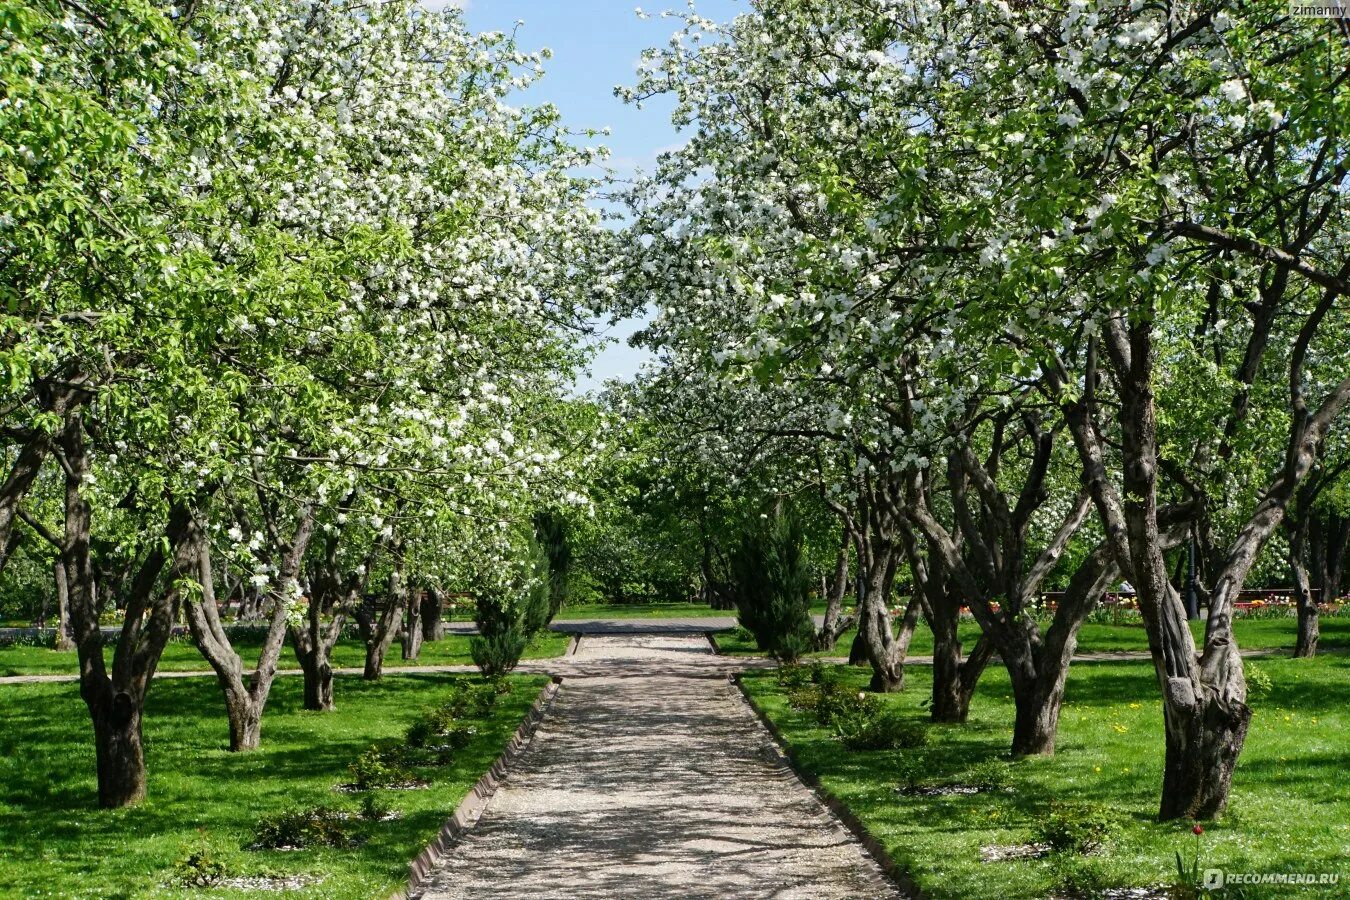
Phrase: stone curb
{"type": "Point", "coordinates": [893, 870]}
{"type": "Point", "coordinates": [466, 815]}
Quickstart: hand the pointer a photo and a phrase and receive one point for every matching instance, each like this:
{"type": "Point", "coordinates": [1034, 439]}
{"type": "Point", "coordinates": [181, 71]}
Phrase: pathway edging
{"type": "Point", "coordinates": [841, 810]}
{"type": "Point", "coordinates": [466, 815]}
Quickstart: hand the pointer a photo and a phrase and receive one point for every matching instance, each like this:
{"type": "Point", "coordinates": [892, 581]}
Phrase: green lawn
{"type": "Point", "coordinates": [1290, 811]}
{"type": "Point", "coordinates": [181, 655]}
{"type": "Point", "coordinates": [641, 611]}
{"type": "Point", "coordinates": [1252, 634]}
{"type": "Point", "coordinates": [57, 842]}
{"type": "Point", "coordinates": [655, 611]}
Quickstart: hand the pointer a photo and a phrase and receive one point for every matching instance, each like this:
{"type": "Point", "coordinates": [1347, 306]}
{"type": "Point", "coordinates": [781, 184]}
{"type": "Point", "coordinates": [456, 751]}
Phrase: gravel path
{"type": "Point", "coordinates": [651, 777]}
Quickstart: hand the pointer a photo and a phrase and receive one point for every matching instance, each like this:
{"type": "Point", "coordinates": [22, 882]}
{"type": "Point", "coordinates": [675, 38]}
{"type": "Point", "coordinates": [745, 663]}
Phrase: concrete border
{"type": "Point", "coordinates": [471, 808]}
{"type": "Point", "coordinates": [893, 870]}
{"type": "Point", "coordinates": [712, 641]}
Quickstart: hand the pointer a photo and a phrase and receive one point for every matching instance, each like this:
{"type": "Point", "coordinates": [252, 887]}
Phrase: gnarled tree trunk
{"type": "Point", "coordinates": [412, 624]}
{"type": "Point", "coordinates": [383, 628]}
{"type": "Point", "coordinates": [1305, 645]}
{"type": "Point", "coordinates": [116, 700]}
{"type": "Point", "coordinates": [884, 651]}
{"type": "Point", "coordinates": [244, 702]}
{"type": "Point", "coordinates": [433, 628]}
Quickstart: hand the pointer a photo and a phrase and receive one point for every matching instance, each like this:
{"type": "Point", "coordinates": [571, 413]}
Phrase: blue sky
{"type": "Point", "coordinates": [596, 45]}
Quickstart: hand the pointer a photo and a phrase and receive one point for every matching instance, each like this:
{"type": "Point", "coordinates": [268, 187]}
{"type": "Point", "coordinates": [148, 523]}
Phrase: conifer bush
{"type": "Point", "coordinates": [772, 579]}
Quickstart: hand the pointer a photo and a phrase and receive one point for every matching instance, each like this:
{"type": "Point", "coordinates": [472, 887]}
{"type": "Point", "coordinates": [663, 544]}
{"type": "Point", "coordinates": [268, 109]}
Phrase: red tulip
{"type": "Point", "coordinates": [1197, 830]}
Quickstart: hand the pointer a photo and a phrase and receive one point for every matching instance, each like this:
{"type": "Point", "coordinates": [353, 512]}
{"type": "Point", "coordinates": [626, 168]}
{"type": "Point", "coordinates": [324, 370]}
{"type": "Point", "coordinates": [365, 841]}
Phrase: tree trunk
{"type": "Point", "coordinates": [432, 627]}
{"type": "Point", "coordinates": [63, 640]}
{"type": "Point", "coordinates": [836, 623]}
{"type": "Point", "coordinates": [244, 702]}
{"type": "Point", "coordinates": [954, 680]}
{"type": "Point", "coordinates": [883, 650]}
{"type": "Point", "coordinates": [1328, 544]}
{"type": "Point", "coordinates": [317, 671]}
{"type": "Point", "coordinates": [22, 474]}
{"type": "Point", "coordinates": [412, 625]}
{"type": "Point", "coordinates": [857, 651]}
{"type": "Point", "coordinates": [1038, 668]}
{"type": "Point", "coordinates": [1337, 554]}
{"type": "Point", "coordinates": [1305, 645]}
{"type": "Point", "coordinates": [1038, 703]}
{"type": "Point", "coordinates": [1204, 738]}
{"type": "Point", "coordinates": [116, 703]}
{"type": "Point", "coordinates": [384, 629]}
{"type": "Point", "coordinates": [1205, 714]}
{"type": "Point", "coordinates": [245, 723]}
{"type": "Point", "coordinates": [118, 748]}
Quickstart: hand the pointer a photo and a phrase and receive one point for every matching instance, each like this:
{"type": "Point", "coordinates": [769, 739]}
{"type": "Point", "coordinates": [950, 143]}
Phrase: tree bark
{"type": "Point", "coordinates": [1305, 645]}
{"type": "Point", "coordinates": [384, 627]}
{"type": "Point", "coordinates": [317, 670]}
{"type": "Point", "coordinates": [1038, 703]}
{"type": "Point", "coordinates": [22, 474]}
{"type": "Point", "coordinates": [836, 623]}
{"type": "Point", "coordinates": [412, 624]}
{"type": "Point", "coordinates": [63, 640]}
{"type": "Point", "coordinates": [954, 680]}
{"type": "Point", "coordinates": [1204, 695]}
{"type": "Point", "coordinates": [883, 650]}
{"type": "Point", "coordinates": [857, 651]}
{"type": "Point", "coordinates": [244, 702]}
{"type": "Point", "coordinates": [116, 700]}
{"type": "Point", "coordinates": [432, 626]}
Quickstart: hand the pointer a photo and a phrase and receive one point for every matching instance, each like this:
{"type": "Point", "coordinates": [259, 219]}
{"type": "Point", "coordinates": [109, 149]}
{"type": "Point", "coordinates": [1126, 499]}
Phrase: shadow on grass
{"type": "Point", "coordinates": [200, 795]}
{"type": "Point", "coordinates": [1286, 814]}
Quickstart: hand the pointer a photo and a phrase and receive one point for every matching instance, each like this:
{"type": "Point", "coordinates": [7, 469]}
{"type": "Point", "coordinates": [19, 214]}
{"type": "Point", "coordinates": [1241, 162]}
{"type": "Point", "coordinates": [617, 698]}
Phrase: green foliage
{"type": "Point", "coordinates": [27, 586]}
{"type": "Point", "coordinates": [553, 534]}
{"type": "Point", "coordinates": [1074, 827]}
{"type": "Point", "coordinates": [510, 616]}
{"type": "Point", "coordinates": [1073, 875]}
{"type": "Point", "coordinates": [988, 775]}
{"type": "Point", "coordinates": [200, 868]}
{"type": "Point", "coordinates": [382, 766]}
{"type": "Point", "coordinates": [374, 808]}
{"type": "Point", "coordinates": [913, 773]}
{"type": "Point", "coordinates": [858, 718]}
{"type": "Point", "coordinates": [442, 727]}
{"type": "Point", "coordinates": [886, 731]}
{"type": "Point", "coordinates": [316, 826]}
{"type": "Point", "coordinates": [772, 584]}
{"type": "Point", "coordinates": [1259, 684]}
{"type": "Point", "coordinates": [792, 675]}
{"type": "Point", "coordinates": [497, 652]}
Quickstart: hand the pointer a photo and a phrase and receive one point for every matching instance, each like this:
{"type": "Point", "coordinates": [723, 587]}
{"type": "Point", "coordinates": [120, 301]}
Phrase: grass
{"type": "Point", "coordinates": [58, 842]}
{"type": "Point", "coordinates": [182, 655]}
{"type": "Point", "coordinates": [1252, 634]}
{"type": "Point", "coordinates": [641, 611]}
{"type": "Point", "coordinates": [655, 611]}
{"type": "Point", "coordinates": [1289, 810]}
